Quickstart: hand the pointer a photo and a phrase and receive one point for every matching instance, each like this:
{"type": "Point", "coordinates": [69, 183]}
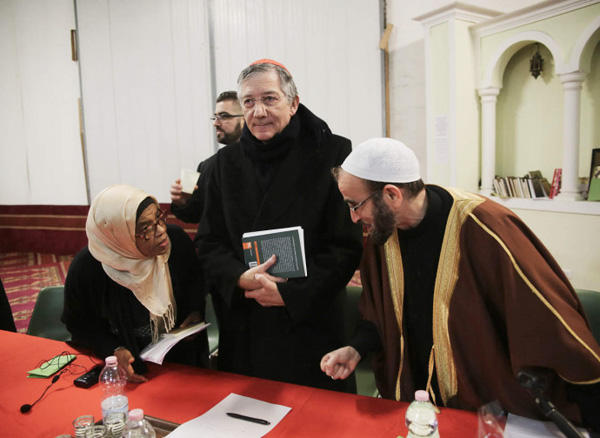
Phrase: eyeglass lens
{"type": "Point", "coordinates": [150, 230]}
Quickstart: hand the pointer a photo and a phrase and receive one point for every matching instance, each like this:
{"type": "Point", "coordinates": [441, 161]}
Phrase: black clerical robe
{"type": "Point", "coordinates": [281, 343]}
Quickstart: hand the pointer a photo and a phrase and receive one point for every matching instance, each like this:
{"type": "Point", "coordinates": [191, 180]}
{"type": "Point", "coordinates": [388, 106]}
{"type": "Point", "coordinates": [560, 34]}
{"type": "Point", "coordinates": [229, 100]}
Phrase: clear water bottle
{"type": "Point", "coordinates": [421, 418]}
{"type": "Point", "coordinates": [113, 380]}
{"type": "Point", "coordinates": [137, 426]}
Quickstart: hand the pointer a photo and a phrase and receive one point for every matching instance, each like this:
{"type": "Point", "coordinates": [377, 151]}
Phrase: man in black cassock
{"type": "Point", "coordinates": [276, 176]}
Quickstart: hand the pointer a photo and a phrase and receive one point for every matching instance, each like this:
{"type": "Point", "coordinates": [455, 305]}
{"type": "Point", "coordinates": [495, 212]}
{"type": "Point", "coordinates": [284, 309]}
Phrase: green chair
{"type": "Point", "coordinates": [212, 332]}
{"type": "Point", "coordinates": [365, 379]}
{"type": "Point", "coordinates": [45, 320]}
{"type": "Point", "coordinates": [590, 300]}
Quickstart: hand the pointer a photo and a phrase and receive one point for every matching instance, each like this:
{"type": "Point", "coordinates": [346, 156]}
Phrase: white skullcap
{"type": "Point", "coordinates": [383, 160]}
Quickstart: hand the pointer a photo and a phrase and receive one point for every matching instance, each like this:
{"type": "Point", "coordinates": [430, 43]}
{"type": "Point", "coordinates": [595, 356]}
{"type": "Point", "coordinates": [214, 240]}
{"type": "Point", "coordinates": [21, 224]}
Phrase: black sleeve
{"type": "Point", "coordinates": [333, 263]}
{"type": "Point", "coordinates": [85, 288]}
{"type": "Point", "coordinates": [186, 275]}
{"type": "Point", "coordinates": [7, 321]}
{"type": "Point", "coordinates": [217, 258]}
{"type": "Point", "coordinates": [366, 338]}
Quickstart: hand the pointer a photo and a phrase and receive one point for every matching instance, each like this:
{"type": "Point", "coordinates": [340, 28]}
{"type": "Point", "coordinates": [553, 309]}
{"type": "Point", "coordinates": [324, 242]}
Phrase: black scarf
{"type": "Point", "coordinates": [304, 130]}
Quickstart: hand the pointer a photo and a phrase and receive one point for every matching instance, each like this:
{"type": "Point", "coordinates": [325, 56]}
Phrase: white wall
{"type": "Point", "coordinates": [330, 47]}
{"type": "Point", "coordinates": [150, 70]}
{"type": "Point", "coordinates": [146, 91]}
{"type": "Point", "coordinates": [407, 66]}
{"type": "Point", "coordinates": [570, 238]}
{"type": "Point", "coordinates": [40, 147]}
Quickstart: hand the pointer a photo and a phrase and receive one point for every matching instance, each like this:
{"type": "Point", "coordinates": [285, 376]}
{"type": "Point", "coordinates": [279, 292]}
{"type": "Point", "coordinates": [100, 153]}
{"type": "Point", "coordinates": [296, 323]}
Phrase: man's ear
{"type": "Point", "coordinates": [295, 104]}
{"type": "Point", "coordinates": [392, 195]}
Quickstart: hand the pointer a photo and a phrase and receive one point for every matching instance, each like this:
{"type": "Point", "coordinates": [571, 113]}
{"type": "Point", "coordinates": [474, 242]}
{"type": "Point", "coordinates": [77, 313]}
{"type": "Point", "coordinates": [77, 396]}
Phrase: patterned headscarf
{"type": "Point", "coordinates": [110, 228]}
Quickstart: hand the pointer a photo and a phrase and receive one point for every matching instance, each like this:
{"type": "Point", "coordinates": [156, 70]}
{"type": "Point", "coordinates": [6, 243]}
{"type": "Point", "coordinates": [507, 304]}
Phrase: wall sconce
{"type": "Point", "coordinates": [536, 63]}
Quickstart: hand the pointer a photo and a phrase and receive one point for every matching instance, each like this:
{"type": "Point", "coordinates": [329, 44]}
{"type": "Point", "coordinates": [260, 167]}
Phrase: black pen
{"type": "Point", "coordinates": [246, 418]}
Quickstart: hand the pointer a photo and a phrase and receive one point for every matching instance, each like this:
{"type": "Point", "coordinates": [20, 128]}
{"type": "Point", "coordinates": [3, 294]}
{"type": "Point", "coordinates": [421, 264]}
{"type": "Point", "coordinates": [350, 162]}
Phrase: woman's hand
{"type": "Point", "coordinates": [125, 359]}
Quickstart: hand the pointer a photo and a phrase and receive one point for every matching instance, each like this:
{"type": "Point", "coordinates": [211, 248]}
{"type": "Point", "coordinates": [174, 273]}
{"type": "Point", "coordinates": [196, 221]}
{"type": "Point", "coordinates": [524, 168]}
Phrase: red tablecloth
{"type": "Point", "coordinates": [179, 393]}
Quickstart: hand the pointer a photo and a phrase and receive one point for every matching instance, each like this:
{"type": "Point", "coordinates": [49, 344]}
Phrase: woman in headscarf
{"type": "Point", "coordinates": [137, 278]}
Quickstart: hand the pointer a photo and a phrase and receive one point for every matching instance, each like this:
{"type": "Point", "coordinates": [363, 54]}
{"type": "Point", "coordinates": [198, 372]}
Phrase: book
{"type": "Point", "coordinates": [595, 165]}
{"type": "Point", "coordinates": [498, 188]}
{"type": "Point", "coordinates": [155, 352]}
{"type": "Point", "coordinates": [546, 187]}
{"type": "Point", "coordinates": [556, 180]}
{"type": "Point", "coordinates": [286, 243]}
{"type": "Point", "coordinates": [536, 184]}
{"type": "Point", "coordinates": [594, 189]}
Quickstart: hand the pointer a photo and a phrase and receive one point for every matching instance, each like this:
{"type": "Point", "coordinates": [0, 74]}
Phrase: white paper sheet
{"type": "Point", "coordinates": [156, 352]}
{"type": "Point", "coordinates": [521, 427]}
{"type": "Point", "coordinates": [215, 423]}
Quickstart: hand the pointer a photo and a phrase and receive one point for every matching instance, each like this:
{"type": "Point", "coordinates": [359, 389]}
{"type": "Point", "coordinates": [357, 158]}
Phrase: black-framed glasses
{"type": "Point", "coordinates": [149, 231]}
{"type": "Point", "coordinates": [223, 117]}
{"type": "Point", "coordinates": [266, 101]}
{"type": "Point", "coordinates": [360, 204]}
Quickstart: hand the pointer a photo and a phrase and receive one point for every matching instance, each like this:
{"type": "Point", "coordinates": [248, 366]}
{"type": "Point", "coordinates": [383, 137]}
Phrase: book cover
{"type": "Point", "coordinates": [286, 243]}
{"type": "Point", "coordinates": [594, 190]}
{"type": "Point", "coordinates": [556, 180]}
{"type": "Point", "coordinates": [539, 186]}
{"type": "Point", "coordinates": [594, 164]}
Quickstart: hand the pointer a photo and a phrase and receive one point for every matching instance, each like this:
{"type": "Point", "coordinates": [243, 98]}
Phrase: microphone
{"type": "Point", "coordinates": [535, 384]}
{"type": "Point", "coordinates": [27, 407]}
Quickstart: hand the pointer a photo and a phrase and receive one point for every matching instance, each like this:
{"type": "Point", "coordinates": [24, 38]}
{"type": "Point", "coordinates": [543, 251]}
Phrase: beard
{"type": "Point", "coordinates": [384, 222]}
{"type": "Point", "coordinates": [230, 137]}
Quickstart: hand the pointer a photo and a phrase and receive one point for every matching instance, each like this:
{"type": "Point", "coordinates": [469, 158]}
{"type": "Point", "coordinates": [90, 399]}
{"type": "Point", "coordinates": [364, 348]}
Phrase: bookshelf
{"type": "Point", "coordinates": [552, 205]}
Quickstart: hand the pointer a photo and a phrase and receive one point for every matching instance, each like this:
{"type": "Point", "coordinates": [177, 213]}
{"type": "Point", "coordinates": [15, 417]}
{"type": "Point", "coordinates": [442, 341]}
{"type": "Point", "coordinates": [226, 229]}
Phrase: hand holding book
{"type": "Point", "coordinates": [286, 243]}
{"type": "Point", "coordinates": [248, 280]}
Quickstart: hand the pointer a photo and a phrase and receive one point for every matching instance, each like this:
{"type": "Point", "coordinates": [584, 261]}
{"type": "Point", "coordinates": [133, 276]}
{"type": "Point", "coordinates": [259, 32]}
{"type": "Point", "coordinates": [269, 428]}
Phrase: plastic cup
{"type": "Point", "coordinates": [82, 424]}
{"type": "Point", "coordinates": [115, 424]}
{"type": "Point", "coordinates": [99, 431]}
{"type": "Point", "coordinates": [189, 178]}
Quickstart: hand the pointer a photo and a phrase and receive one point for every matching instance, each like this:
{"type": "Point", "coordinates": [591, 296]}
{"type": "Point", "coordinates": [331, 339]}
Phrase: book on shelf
{"type": "Point", "coordinates": [594, 181]}
{"type": "Point", "coordinates": [286, 243]}
{"type": "Point", "coordinates": [556, 181]}
{"type": "Point", "coordinates": [539, 186]}
{"type": "Point", "coordinates": [594, 189]}
{"type": "Point", "coordinates": [531, 186]}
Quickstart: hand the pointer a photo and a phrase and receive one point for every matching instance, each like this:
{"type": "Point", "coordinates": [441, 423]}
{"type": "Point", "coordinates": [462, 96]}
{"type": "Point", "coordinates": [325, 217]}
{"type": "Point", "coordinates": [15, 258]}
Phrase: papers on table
{"type": "Point", "coordinates": [156, 352]}
{"type": "Point", "coordinates": [521, 427]}
{"type": "Point", "coordinates": [216, 423]}
{"type": "Point", "coordinates": [52, 366]}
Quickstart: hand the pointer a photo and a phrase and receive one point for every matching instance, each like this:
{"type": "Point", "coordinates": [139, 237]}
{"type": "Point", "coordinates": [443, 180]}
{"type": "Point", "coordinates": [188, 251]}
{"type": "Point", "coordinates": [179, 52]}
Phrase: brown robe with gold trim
{"type": "Point", "coordinates": [501, 302]}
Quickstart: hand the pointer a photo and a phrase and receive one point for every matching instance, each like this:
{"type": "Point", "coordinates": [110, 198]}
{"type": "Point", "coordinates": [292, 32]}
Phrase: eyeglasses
{"type": "Point", "coordinates": [149, 231]}
{"type": "Point", "coordinates": [223, 117]}
{"type": "Point", "coordinates": [266, 101]}
{"type": "Point", "coordinates": [360, 204]}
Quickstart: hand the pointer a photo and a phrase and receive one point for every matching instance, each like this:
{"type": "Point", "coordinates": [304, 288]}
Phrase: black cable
{"type": "Point", "coordinates": [44, 363]}
{"type": "Point", "coordinates": [27, 407]}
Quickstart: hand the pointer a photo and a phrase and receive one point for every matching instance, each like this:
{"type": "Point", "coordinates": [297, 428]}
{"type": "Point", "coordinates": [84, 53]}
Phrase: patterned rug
{"type": "Point", "coordinates": [24, 275]}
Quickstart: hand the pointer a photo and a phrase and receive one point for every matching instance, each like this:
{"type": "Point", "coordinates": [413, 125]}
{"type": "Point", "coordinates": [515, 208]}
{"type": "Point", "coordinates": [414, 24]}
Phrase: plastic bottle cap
{"type": "Point", "coordinates": [111, 360]}
{"type": "Point", "coordinates": [421, 396]}
{"type": "Point", "coordinates": [136, 414]}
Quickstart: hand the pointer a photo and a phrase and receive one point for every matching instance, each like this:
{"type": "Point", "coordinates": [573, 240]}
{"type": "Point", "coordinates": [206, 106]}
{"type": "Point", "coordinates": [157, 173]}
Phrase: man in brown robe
{"type": "Point", "coordinates": [459, 296]}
